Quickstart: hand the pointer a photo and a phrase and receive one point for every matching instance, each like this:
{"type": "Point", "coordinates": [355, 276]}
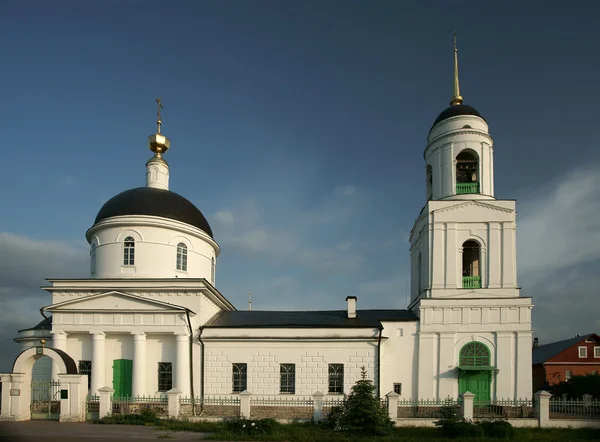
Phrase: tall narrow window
{"type": "Point", "coordinates": [287, 373]}
{"type": "Point", "coordinates": [583, 352]}
{"type": "Point", "coordinates": [470, 265]}
{"type": "Point", "coordinates": [567, 375]}
{"type": "Point", "coordinates": [165, 376]}
{"type": "Point", "coordinates": [129, 251]}
{"type": "Point", "coordinates": [182, 257]}
{"type": "Point", "coordinates": [93, 259]}
{"type": "Point", "coordinates": [85, 367]}
{"type": "Point", "coordinates": [429, 175]}
{"type": "Point", "coordinates": [467, 176]}
{"type": "Point", "coordinates": [419, 277]}
{"type": "Point", "coordinates": [240, 377]}
{"type": "Point", "coordinates": [336, 378]}
{"type": "Point", "coordinates": [212, 270]}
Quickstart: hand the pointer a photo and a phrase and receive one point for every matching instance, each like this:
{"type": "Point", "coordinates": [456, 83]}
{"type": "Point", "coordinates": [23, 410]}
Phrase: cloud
{"type": "Point", "coordinates": [24, 263]}
{"type": "Point", "coordinates": [558, 237]}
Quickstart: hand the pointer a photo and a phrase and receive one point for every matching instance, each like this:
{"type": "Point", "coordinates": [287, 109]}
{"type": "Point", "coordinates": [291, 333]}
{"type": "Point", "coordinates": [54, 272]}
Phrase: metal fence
{"type": "Point", "coordinates": [135, 405]}
{"type": "Point", "coordinates": [92, 407]}
{"type": "Point", "coordinates": [427, 408]}
{"type": "Point", "coordinates": [329, 403]}
{"type": "Point", "coordinates": [210, 406]}
{"type": "Point", "coordinates": [281, 407]}
{"type": "Point", "coordinates": [574, 408]}
{"type": "Point", "coordinates": [504, 408]}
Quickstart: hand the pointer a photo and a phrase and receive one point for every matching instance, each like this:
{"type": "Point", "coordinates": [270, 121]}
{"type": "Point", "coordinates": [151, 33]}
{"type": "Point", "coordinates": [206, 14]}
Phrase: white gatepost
{"type": "Point", "coordinates": [173, 395]}
{"type": "Point", "coordinates": [542, 407]}
{"type": "Point", "coordinates": [73, 392]}
{"type": "Point", "coordinates": [466, 405]}
{"type": "Point", "coordinates": [245, 404]}
{"type": "Point", "coordinates": [318, 406]}
{"type": "Point", "coordinates": [105, 394]}
{"type": "Point", "coordinates": [15, 394]}
{"type": "Point", "coordinates": [392, 405]}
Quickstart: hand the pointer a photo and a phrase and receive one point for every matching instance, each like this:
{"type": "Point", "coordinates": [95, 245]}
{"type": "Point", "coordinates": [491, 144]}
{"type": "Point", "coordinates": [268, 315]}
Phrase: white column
{"type": "Point", "coordinates": [504, 364]}
{"type": "Point", "coordinates": [139, 365]}
{"type": "Point", "coordinates": [425, 368]}
{"type": "Point", "coordinates": [182, 364]}
{"type": "Point", "coordinates": [523, 361]}
{"type": "Point", "coordinates": [453, 258]}
{"type": "Point", "coordinates": [494, 255]}
{"type": "Point", "coordinates": [59, 342]}
{"type": "Point", "coordinates": [446, 372]}
{"type": "Point", "coordinates": [98, 362]}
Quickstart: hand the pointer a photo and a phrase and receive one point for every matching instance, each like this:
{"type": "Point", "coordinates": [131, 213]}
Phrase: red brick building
{"type": "Point", "coordinates": [558, 361]}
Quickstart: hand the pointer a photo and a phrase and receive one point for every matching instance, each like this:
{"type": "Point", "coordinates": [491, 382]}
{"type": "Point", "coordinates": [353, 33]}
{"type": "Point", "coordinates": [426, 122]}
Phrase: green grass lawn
{"type": "Point", "coordinates": [318, 433]}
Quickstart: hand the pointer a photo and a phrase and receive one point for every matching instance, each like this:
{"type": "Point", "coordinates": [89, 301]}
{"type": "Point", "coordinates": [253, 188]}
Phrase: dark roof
{"type": "Point", "coordinates": [454, 111]}
{"type": "Point", "coordinates": [293, 319]}
{"type": "Point", "coordinates": [46, 324]}
{"type": "Point", "coordinates": [544, 352]}
{"type": "Point", "coordinates": [154, 202]}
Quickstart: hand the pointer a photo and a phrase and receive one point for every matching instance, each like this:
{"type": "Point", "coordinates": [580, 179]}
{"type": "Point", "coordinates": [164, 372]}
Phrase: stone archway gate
{"type": "Point", "coordinates": [16, 386]}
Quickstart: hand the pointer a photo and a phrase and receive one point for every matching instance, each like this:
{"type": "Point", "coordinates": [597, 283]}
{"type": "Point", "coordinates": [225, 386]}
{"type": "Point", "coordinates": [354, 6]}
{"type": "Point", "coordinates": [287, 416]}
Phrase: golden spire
{"type": "Point", "coordinates": [456, 99]}
{"type": "Point", "coordinates": [158, 143]}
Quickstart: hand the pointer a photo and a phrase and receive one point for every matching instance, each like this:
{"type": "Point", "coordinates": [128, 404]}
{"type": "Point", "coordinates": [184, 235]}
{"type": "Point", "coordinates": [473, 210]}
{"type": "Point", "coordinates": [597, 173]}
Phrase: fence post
{"type": "Point", "coordinates": [173, 398]}
{"type": "Point", "coordinates": [392, 405]}
{"type": "Point", "coordinates": [245, 404]}
{"type": "Point", "coordinates": [466, 405]}
{"type": "Point", "coordinates": [318, 406]}
{"type": "Point", "coordinates": [542, 407]}
{"type": "Point", "coordinates": [105, 401]}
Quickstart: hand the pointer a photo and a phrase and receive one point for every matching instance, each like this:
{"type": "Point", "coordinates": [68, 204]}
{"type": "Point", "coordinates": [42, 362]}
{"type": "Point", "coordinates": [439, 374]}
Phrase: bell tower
{"type": "Point", "coordinates": [464, 242]}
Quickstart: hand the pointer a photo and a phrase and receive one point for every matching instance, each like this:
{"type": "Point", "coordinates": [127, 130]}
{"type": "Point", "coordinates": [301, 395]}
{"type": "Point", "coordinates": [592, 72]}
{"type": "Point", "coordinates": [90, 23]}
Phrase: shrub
{"type": "Point", "coordinates": [459, 428]}
{"type": "Point", "coordinates": [362, 412]}
{"type": "Point", "coordinates": [499, 429]}
{"type": "Point", "coordinates": [250, 426]}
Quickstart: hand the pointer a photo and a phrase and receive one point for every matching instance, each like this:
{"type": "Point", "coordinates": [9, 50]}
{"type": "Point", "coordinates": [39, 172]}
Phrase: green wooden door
{"type": "Point", "coordinates": [477, 382]}
{"type": "Point", "coordinates": [122, 373]}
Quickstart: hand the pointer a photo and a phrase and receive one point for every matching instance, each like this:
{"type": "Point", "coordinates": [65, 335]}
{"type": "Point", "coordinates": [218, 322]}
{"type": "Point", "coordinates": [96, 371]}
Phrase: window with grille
{"type": "Point", "coordinates": [85, 367]}
{"type": "Point", "coordinates": [287, 373]}
{"type": "Point", "coordinates": [93, 259]}
{"type": "Point", "coordinates": [165, 376]}
{"type": "Point", "coordinates": [583, 352]}
{"type": "Point", "coordinates": [398, 389]}
{"type": "Point", "coordinates": [240, 377]}
{"type": "Point", "coordinates": [597, 352]}
{"type": "Point", "coordinates": [474, 354]}
{"type": "Point", "coordinates": [336, 378]}
{"type": "Point", "coordinates": [128, 251]}
{"type": "Point", "coordinates": [182, 257]}
{"type": "Point", "coordinates": [567, 375]}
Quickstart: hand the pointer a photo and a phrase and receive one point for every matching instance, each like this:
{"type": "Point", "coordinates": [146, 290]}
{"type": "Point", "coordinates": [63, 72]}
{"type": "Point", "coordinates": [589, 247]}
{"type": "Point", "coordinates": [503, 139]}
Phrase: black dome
{"type": "Point", "coordinates": [154, 202]}
{"type": "Point", "coordinates": [454, 111]}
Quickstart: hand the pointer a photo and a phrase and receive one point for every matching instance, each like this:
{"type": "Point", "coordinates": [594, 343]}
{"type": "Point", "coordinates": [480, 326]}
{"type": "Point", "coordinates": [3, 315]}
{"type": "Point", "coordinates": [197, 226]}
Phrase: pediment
{"type": "Point", "coordinates": [473, 204]}
{"type": "Point", "coordinates": [113, 301]}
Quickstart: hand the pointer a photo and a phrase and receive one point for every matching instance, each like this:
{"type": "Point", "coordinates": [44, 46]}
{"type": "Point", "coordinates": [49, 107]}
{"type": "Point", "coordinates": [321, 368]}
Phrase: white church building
{"type": "Point", "coordinates": [150, 316]}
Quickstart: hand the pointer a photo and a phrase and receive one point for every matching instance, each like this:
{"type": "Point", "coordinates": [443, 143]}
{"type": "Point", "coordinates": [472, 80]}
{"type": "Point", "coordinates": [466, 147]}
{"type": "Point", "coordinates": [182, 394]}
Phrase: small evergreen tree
{"type": "Point", "coordinates": [362, 412]}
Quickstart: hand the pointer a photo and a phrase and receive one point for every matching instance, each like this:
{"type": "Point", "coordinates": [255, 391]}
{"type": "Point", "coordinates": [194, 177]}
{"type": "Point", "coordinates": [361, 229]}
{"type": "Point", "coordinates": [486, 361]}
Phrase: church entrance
{"type": "Point", "coordinates": [122, 377]}
{"type": "Point", "coordinates": [45, 399]}
{"type": "Point", "coordinates": [475, 372]}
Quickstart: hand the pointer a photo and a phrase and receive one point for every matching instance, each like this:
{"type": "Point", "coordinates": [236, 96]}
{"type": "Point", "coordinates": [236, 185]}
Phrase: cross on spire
{"type": "Point", "coordinates": [159, 120]}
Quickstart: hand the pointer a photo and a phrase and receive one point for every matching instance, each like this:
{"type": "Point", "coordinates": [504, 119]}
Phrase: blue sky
{"type": "Point", "coordinates": [298, 128]}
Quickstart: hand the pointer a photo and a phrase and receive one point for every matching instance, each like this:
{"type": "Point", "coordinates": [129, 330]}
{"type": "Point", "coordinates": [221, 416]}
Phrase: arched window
{"type": "Point", "coordinates": [471, 267]}
{"type": "Point", "coordinates": [182, 257]}
{"type": "Point", "coordinates": [93, 259]}
{"type": "Point", "coordinates": [129, 251]}
{"type": "Point", "coordinates": [212, 270]}
{"type": "Point", "coordinates": [429, 175]}
{"type": "Point", "coordinates": [467, 174]}
{"type": "Point", "coordinates": [474, 354]}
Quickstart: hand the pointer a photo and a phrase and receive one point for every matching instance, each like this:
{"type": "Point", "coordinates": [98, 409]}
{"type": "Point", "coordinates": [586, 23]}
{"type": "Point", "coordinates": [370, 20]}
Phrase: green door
{"type": "Point", "coordinates": [477, 382]}
{"type": "Point", "coordinates": [122, 373]}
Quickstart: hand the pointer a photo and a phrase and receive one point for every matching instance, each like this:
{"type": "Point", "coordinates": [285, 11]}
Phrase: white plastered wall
{"type": "Point", "coordinates": [399, 362]}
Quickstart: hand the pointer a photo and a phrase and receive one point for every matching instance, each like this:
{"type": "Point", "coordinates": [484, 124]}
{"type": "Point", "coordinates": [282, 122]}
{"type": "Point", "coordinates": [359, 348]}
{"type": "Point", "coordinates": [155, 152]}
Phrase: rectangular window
{"type": "Point", "coordinates": [597, 352]}
{"type": "Point", "coordinates": [165, 376]}
{"type": "Point", "coordinates": [398, 389]}
{"type": "Point", "coordinates": [240, 376]}
{"type": "Point", "coordinates": [567, 375]}
{"type": "Point", "coordinates": [287, 373]}
{"type": "Point", "coordinates": [583, 352]}
{"type": "Point", "coordinates": [336, 378]}
{"type": "Point", "coordinates": [85, 367]}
